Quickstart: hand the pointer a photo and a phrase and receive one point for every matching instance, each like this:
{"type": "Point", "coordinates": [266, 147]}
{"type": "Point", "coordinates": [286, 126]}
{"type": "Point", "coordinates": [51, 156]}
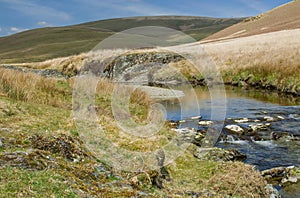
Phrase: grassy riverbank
{"type": "Point", "coordinates": [269, 61]}
{"type": "Point", "coordinates": [41, 153]}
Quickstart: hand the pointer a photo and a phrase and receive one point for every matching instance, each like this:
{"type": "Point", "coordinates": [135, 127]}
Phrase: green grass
{"type": "Point", "coordinates": [46, 43]}
{"type": "Point", "coordinates": [25, 183]}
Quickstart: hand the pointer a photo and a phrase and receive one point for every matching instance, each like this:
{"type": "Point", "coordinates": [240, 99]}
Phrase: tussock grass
{"type": "Point", "coordinates": [238, 179]}
{"type": "Point", "coordinates": [219, 179]}
{"type": "Point", "coordinates": [31, 87]}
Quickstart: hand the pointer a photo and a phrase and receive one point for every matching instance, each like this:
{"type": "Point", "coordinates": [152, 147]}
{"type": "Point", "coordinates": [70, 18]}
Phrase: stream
{"type": "Point", "coordinates": [277, 144]}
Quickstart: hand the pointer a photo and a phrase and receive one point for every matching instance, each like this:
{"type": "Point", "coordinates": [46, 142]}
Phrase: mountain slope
{"type": "Point", "coordinates": [281, 18]}
{"type": "Point", "coordinates": [46, 43]}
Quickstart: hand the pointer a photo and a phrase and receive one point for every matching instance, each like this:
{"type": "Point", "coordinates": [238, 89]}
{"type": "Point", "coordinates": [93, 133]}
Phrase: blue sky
{"type": "Point", "coordinates": [20, 15]}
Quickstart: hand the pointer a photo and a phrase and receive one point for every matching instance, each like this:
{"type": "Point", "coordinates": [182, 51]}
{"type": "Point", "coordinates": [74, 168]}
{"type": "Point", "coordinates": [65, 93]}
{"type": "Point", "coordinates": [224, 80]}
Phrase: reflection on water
{"type": "Point", "coordinates": [253, 104]}
{"type": "Point", "coordinates": [202, 101]}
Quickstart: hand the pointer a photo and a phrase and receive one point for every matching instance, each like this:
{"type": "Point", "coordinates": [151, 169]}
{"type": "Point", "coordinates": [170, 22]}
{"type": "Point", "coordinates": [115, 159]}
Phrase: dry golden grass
{"type": "Point", "coordinates": [236, 178]}
{"type": "Point", "coordinates": [273, 47]}
{"type": "Point", "coordinates": [31, 87]}
{"type": "Point", "coordinates": [272, 56]}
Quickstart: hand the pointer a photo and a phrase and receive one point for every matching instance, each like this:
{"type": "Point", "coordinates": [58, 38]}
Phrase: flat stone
{"type": "Point", "coordinates": [196, 117]}
{"type": "Point", "coordinates": [281, 117]}
{"type": "Point", "coordinates": [243, 120]}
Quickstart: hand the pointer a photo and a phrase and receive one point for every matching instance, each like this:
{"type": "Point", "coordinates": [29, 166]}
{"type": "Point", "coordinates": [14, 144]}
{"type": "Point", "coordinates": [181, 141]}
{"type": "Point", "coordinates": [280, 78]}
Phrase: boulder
{"type": "Point", "coordinates": [190, 135]}
{"type": "Point", "coordinates": [282, 175]}
{"type": "Point", "coordinates": [205, 122]}
{"type": "Point", "coordinates": [235, 129]}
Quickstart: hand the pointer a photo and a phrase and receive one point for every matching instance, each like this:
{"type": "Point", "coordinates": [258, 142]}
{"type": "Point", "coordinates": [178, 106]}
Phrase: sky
{"type": "Point", "coordinates": [21, 15]}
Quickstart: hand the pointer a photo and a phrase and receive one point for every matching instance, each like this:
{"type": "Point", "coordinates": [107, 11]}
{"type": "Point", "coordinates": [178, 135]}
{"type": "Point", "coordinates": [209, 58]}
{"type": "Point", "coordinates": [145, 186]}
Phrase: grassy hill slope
{"type": "Point", "coordinates": [281, 18]}
{"type": "Point", "coordinates": [46, 43]}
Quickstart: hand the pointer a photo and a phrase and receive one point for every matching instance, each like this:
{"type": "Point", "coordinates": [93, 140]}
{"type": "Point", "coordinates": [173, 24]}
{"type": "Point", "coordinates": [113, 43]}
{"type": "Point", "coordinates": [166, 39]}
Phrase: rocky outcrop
{"type": "Point", "coordinates": [128, 67]}
{"type": "Point", "coordinates": [49, 73]}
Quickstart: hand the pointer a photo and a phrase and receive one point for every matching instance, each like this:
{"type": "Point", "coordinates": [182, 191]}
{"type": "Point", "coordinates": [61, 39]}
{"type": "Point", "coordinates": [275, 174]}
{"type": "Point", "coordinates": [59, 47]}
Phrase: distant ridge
{"type": "Point", "coordinates": [46, 43]}
{"type": "Point", "coordinates": [284, 17]}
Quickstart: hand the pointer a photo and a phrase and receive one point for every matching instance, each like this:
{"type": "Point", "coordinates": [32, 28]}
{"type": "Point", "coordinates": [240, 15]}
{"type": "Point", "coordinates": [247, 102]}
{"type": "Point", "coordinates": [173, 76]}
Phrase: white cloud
{"type": "Point", "coordinates": [43, 23]}
{"type": "Point", "coordinates": [30, 8]}
{"type": "Point", "coordinates": [16, 30]}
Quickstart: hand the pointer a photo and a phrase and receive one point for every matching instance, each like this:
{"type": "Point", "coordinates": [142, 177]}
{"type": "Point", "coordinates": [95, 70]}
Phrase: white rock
{"type": "Point", "coordinates": [196, 117]}
{"type": "Point", "coordinates": [235, 128]}
{"type": "Point", "coordinates": [185, 130]}
{"type": "Point", "coordinates": [205, 123]}
{"type": "Point", "coordinates": [280, 117]}
{"type": "Point", "coordinates": [182, 121]}
{"type": "Point", "coordinates": [269, 118]}
{"type": "Point", "coordinates": [242, 120]}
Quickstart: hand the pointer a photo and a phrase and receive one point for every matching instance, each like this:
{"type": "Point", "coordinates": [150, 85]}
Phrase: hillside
{"type": "Point", "coordinates": [281, 18]}
{"type": "Point", "coordinates": [46, 43]}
